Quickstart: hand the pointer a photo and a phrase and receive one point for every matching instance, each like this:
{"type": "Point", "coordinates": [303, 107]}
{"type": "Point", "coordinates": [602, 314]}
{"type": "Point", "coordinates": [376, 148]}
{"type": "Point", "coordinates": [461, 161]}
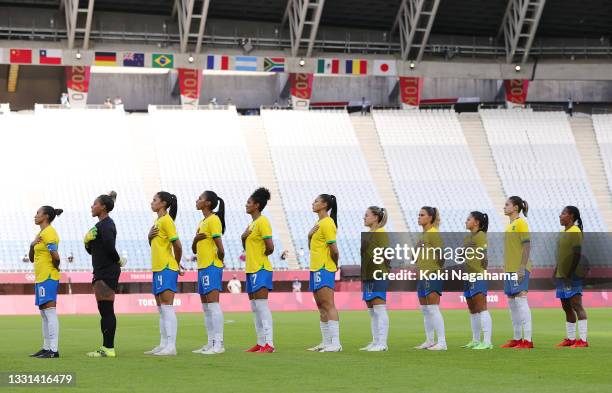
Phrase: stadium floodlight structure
{"type": "Point", "coordinates": [72, 11]}
{"type": "Point", "coordinates": [519, 27]}
{"type": "Point", "coordinates": [184, 10]}
{"type": "Point", "coordinates": [303, 14]}
{"type": "Point", "coordinates": [414, 21]}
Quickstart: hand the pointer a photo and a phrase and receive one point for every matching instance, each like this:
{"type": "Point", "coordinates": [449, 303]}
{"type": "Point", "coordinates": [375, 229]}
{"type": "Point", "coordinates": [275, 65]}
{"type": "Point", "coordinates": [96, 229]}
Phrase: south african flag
{"type": "Point", "coordinates": [274, 64]}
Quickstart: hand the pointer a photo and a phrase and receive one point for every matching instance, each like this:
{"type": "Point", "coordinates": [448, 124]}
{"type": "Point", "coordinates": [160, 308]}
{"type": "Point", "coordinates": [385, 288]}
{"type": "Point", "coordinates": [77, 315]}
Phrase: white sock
{"type": "Point", "coordinates": [217, 320]}
{"type": "Point", "coordinates": [45, 330]}
{"type": "Point", "coordinates": [52, 328]}
{"type": "Point", "coordinates": [438, 323]}
{"type": "Point", "coordinates": [582, 329]}
{"type": "Point", "coordinates": [208, 323]}
{"type": "Point", "coordinates": [324, 332]}
{"type": "Point", "coordinates": [266, 321]}
{"type": "Point", "coordinates": [515, 317]}
{"type": "Point", "coordinates": [382, 319]}
{"type": "Point", "coordinates": [334, 332]}
{"type": "Point", "coordinates": [487, 326]}
{"type": "Point", "coordinates": [427, 322]}
{"type": "Point", "coordinates": [169, 317]}
{"type": "Point", "coordinates": [476, 326]}
{"type": "Point", "coordinates": [373, 323]}
{"type": "Point", "coordinates": [525, 316]}
{"type": "Point", "coordinates": [258, 326]}
{"type": "Point", "coordinates": [570, 328]}
{"type": "Point", "coordinates": [163, 337]}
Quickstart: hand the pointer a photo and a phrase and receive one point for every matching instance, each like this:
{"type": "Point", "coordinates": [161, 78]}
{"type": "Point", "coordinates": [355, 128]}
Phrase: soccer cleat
{"type": "Point", "coordinates": [511, 344]}
{"type": "Point", "coordinates": [471, 344]}
{"type": "Point", "coordinates": [319, 347]}
{"type": "Point", "coordinates": [48, 355]}
{"type": "Point", "coordinates": [332, 348]}
{"type": "Point", "coordinates": [566, 343]}
{"type": "Point", "coordinates": [437, 347]}
{"type": "Point", "coordinates": [37, 354]}
{"type": "Point", "coordinates": [425, 345]}
{"type": "Point", "coordinates": [483, 346]}
{"type": "Point", "coordinates": [580, 343]}
{"type": "Point", "coordinates": [213, 351]}
{"type": "Point", "coordinates": [203, 349]}
{"type": "Point", "coordinates": [254, 348]}
{"type": "Point", "coordinates": [168, 351]}
{"type": "Point", "coordinates": [378, 348]}
{"type": "Point", "coordinates": [103, 352]}
{"type": "Point", "coordinates": [525, 345]}
{"type": "Point", "coordinates": [154, 350]}
{"type": "Point", "coordinates": [267, 349]}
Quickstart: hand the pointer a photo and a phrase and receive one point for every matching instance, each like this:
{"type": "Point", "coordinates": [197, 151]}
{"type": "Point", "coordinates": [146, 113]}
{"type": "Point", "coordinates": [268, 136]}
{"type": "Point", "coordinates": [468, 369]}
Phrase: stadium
{"type": "Point", "coordinates": [188, 182]}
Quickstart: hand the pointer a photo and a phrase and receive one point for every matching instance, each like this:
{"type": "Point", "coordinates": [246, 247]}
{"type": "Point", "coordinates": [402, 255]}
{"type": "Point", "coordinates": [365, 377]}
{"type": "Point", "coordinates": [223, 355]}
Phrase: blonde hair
{"type": "Point", "coordinates": [381, 213]}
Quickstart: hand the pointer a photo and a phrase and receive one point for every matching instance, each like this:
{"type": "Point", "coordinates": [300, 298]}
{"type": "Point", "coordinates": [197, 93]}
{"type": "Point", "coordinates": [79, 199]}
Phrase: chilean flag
{"type": "Point", "coordinates": [50, 56]}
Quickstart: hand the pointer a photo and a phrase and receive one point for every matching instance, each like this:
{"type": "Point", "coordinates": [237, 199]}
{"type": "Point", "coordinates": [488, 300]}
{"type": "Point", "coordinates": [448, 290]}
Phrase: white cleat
{"type": "Point", "coordinates": [378, 348]}
{"type": "Point", "coordinates": [425, 345]}
{"type": "Point", "coordinates": [213, 351]}
{"type": "Point", "coordinates": [332, 348]}
{"type": "Point", "coordinates": [168, 351]}
{"type": "Point", "coordinates": [203, 349]}
{"type": "Point", "coordinates": [437, 347]}
{"type": "Point", "coordinates": [367, 347]}
{"type": "Point", "coordinates": [317, 348]}
{"type": "Point", "coordinates": [154, 350]}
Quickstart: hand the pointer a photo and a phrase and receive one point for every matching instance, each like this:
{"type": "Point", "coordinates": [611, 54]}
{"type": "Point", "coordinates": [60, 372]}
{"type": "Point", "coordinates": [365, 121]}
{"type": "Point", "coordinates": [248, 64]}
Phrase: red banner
{"type": "Point", "coordinates": [410, 91]}
{"type": "Point", "coordinates": [516, 92]}
{"type": "Point", "coordinates": [301, 89]}
{"type": "Point", "coordinates": [190, 82]}
{"type": "Point", "coordinates": [77, 83]}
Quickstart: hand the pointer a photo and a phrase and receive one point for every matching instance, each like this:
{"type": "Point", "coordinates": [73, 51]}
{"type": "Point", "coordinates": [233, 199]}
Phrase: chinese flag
{"type": "Point", "coordinates": [23, 56]}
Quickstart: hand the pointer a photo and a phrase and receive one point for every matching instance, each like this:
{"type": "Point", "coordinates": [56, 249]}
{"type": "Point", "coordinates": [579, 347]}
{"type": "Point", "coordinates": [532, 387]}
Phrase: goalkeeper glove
{"type": "Point", "coordinates": [122, 261]}
{"type": "Point", "coordinates": [91, 235]}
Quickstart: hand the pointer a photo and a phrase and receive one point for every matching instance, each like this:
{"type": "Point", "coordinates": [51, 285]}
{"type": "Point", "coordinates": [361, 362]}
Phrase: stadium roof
{"type": "Point", "coordinates": [560, 18]}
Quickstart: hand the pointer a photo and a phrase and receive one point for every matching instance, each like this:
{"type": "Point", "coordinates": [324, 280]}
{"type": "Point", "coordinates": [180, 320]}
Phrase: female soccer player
{"type": "Point", "coordinates": [375, 291]}
{"type": "Point", "coordinates": [208, 247]}
{"type": "Point", "coordinates": [166, 253]}
{"type": "Point", "coordinates": [323, 266]}
{"type": "Point", "coordinates": [516, 260]}
{"type": "Point", "coordinates": [43, 252]}
{"type": "Point", "coordinates": [258, 245]}
{"type": "Point", "coordinates": [429, 291]}
{"type": "Point", "coordinates": [476, 292]}
{"type": "Point", "coordinates": [569, 274]}
{"type": "Point", "coordinates": [100, 244]}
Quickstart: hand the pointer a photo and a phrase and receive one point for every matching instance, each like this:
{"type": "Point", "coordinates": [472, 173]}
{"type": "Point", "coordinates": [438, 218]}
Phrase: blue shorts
{"type": "Point", "coordinates": [373, 289]}
{"type": "Point", "coordinates": [164, 280]}
{"type": "Point", "coordinates": [471, 289]}
{"type": "Point", "coordinates": [210, 279]}
{"type": "Point", "coordinates": [569, 291]}
{"type": "Point", "coordinates": [321, 278]}
{"type": "Point", "coordinates": [512, 287]}
{"type": "Point", "coordinates": [260, 279]}
{"type": "Point", "coordinates": [46, 291]}
{"type": "Point", "coordinates": [425, 287]}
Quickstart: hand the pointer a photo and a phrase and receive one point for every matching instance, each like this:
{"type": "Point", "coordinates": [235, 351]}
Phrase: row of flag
{"type": "Point", "coordinates": [210, 62]}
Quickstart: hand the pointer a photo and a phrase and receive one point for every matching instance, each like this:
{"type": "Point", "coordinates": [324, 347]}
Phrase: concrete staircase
{"type": "Point", "coordinates": [146, 159]}
{"type": "Point", "coordinates": [586, 142]}
{"type": "Point", "coordinates": [366, 132]}
{"type": "Point", "coordinates": [476, 138]}
{"type": "Point", "coordinates": [255, 136]}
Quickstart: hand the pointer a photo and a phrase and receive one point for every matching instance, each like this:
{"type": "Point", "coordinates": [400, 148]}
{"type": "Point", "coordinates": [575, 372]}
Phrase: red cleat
{"type": "Point", "coordinates": [255, 348]}
{"type": "Point", "coordinates": [266, 349]}
{"type": "Point", "coordinates": [525, 345]}
{"type": "Point", "coordinates": [511, 344]}
{"type": "Point", "coordinates": [566, 343]}
{"type": "Point", "coordinates": [580, 344]}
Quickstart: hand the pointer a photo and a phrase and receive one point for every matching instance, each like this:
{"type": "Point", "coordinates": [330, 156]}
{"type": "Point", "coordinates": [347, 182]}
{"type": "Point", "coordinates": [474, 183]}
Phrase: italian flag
{"type": "Point", "coordinates": [328, 66]}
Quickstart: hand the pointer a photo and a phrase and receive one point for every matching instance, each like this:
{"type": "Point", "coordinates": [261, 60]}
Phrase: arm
{"type": "Point", "coordinates": [524, 259]}
{"type": "Point", "coordinates": [178, 250]}
{"type": "Point", "coordinates": [55, 259]}
{"type": "Point", "coordinates": [333, 252]}
{"type": "Point", "coordinates": [269, 246]}
{"type": "Point", "coordinates": [220, 249]}
{"type": "Point", "coordinates": [109, 237]}
{"type": "Point", "coordinates": [153, 233]}
{"type": "Point", "coordinates": [244, 236]}
{"type": "Point", "coordinates": [31, 253]}
{"type": "Point", "coordinates": [196, 239]}
{"type": "Point", "coordinates": [575, 261]}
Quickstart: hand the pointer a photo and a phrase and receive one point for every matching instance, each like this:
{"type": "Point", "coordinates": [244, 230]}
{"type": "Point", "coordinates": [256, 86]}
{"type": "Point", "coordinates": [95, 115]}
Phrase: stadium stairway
{"type": "Point", "coordinates": [255, 136]}
{"type": "Point", "coordinates": [586, 143]}
{"type": "Point", "coordinates": [476, 138]}
{"type": "Point", "coordinates": [367, 135]}
{"type": "Point", "coordinates": [147, 156]}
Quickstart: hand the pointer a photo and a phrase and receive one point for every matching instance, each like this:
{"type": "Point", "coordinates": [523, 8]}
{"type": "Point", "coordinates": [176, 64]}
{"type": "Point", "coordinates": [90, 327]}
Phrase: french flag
{"type": "Point", "coordinates": [217, 62]}
{"type": "Point", "coordinates": [50, 56]}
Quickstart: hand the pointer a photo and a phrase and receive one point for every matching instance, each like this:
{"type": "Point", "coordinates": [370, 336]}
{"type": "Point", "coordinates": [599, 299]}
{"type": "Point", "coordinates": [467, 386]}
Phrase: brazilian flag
{"type": "Point", "coordinates": [163, 61]}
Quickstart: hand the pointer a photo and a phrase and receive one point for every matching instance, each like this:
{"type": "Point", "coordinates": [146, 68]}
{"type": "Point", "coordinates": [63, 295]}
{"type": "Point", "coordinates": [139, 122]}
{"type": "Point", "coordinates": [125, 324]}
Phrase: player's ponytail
{"type": "Point", "coordinates": [380, 213]}
{"type": "Point", "coordinates": [483, 220]}
{"type": "Point", "coordinates": [332, 206]}
{"type": "Point", "coordinates": [215, 200]}
{"type": "Point", "coordinates": [573, 210]}
{"type": "Point", "coordinates": [170, 201]}
{"type": "Point", "coordinates": [108, 201]}
{"type": "Point", "coordinates": [51, 212]}
{"type": "Point", "coordinates": [519, 202]}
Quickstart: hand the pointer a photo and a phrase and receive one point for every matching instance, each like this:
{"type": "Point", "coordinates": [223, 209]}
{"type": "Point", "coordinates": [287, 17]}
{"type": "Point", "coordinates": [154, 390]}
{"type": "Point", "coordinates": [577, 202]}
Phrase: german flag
{"type": "Point", "coordinates": [105, 59]}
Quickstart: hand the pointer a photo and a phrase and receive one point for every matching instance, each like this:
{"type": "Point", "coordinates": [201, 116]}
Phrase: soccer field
{"type": "Point", "coordinates": [292, 369]}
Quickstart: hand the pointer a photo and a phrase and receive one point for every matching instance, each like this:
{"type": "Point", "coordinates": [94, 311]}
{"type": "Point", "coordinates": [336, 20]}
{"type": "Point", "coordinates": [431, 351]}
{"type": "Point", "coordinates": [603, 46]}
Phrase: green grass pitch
{"type": "Point", "coordinates": [292, 369]}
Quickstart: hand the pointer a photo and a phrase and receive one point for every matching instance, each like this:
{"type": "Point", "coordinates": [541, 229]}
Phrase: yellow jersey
{"type": "Point", "coordinates": [377, 238]}
{"type": "Point", "coordinates": [517, 234]}
{"type": "Point", "coordinates": [478, 243]}
{"type": "Point", "coordinates": [43, 263]}
{"type": "Point", "coordinates": [320, 255]}
{"type": "Point", "coordinates": [430, 251]}
{"type": "Point", "coordinates": [207, 248]}
{"type": "Point", "coordinates": [162, 256]}
{"type": "Point", "coordinates": [255, 247]}
{"type": "Point", "coordinates": [570, 241]}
